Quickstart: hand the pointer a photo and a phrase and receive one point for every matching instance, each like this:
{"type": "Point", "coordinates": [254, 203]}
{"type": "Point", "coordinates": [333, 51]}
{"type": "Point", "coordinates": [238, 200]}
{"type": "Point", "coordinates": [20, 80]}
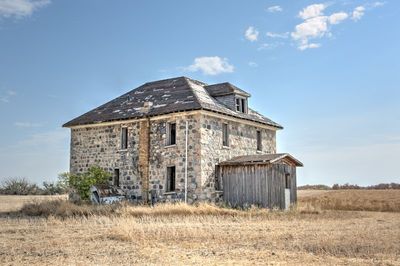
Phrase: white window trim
{"type": "Point", "coordinates": [245, 107]}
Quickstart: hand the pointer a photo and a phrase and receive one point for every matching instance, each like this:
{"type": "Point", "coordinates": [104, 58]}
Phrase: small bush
{"type": "Point", "coordinates": [82, 182]}
{"type": "Point", "coordinates": [50, 188]}
{"type": "Point", "coordinates": [19, 186]}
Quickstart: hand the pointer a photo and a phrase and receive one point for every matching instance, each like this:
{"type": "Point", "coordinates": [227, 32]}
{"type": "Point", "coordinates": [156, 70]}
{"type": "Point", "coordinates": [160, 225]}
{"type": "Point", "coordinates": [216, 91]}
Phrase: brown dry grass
{"type": "Point", "coordinates": [204, 234]}
{"type": "Point", "coordinates": [353, 200]}
{"type": "Point", "coordinates": [16, 202]}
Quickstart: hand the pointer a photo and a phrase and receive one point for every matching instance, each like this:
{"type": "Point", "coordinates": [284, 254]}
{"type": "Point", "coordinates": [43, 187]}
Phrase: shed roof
{"type": "Point", "coordinates": [262, 159]}
{"type": "Point", "coordinates": [165, 96]}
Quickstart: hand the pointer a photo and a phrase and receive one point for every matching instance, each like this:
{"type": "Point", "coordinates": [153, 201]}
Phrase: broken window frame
{"type": "Point", "coordinates": [171, 134]}
{"type": "Point", "coordinates": [124, 138]}
{"type": "Point", "coordinates": [225, 135]}
{"type": "Point", "coordinates": [259, 140]}
{"type": "Point", "coordinates": [241, 104]}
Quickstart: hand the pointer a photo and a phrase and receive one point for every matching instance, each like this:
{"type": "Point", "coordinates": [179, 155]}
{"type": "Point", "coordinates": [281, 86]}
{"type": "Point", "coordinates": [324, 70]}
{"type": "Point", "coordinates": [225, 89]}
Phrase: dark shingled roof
{"type": "Point", "coordinates": [261, 159]}
{"type": "Point", "coordinates": [225, 88]}
{"type": "Point", "coordinates": [167, 96]}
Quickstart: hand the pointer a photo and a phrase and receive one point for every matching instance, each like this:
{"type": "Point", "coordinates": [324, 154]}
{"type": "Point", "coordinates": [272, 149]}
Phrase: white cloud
{"type": "Point", "coordinates": [266, 46]}
{"type": "Point", "coordinates": [20, 8]}
{"type": "Point", "coordinates": [358, 13]}
{"type": "Point", "coordinates": [27, 124]}
{"type": "Point", "coordinates": [312, 11]}
{"type": "Point", "coordinates": [378, 4]}
{"type": "Point", "coordinates": [305, 46]}
{"type": "Point", "coordinates": [211, 65]}
{"type": "Point", "coordinates": [253, 64]}
{"type": "Point", "coordinates": [336, 18]}
{"type": "Point", "coordinates": [273, 9]}
{"type": "Point", "coordinates": [278, 35]}
{"type": "Point", "coordinates": [316, 25]}
{"type": "Point", "coordinates": [5, 97]}
{"type": "Point", "coordinates": [251, 34]}
{"type": "Point", "coordinates": [311, 28]}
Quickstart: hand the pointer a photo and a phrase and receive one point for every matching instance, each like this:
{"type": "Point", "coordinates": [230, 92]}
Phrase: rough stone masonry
{"type": "Point", "coordinates": [149, 163]}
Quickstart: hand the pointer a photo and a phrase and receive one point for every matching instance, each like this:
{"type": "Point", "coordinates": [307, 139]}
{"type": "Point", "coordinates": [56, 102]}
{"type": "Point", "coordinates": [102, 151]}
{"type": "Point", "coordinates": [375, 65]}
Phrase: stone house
{"type": "Point", "coordinates": [165, 139]}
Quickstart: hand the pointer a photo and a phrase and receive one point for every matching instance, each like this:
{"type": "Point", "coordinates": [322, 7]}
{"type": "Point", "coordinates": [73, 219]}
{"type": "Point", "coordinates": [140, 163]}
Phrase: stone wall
{"type": "Point", "coordinates": [242, 141]}
{"type": "Point", "coordinates": [100, 145]}
{"type": "Point", "coordinates": [162, 156]}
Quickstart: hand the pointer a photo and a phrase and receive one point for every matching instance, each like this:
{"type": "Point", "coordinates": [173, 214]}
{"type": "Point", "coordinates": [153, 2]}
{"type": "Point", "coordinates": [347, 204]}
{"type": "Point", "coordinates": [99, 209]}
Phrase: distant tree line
{"type": "Point", "coordinates": [78, 184]}
{"type": "Point", "coordinates": [350, 186]}
{"type": "Point", "coordinates": [22, 186]}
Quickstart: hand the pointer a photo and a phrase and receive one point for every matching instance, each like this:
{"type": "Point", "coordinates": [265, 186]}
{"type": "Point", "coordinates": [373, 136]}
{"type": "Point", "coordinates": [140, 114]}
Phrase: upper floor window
{"type": "Point", "coordinates": [225, 135]}
{"type": "Point", "coordinates": [171, 133]}
{"type": "Point", "coordinates": [259, 140]}
{"type": "Point", "coordinates": [124, 138]}
{"type": "Point", "coordinates": [241, 105]}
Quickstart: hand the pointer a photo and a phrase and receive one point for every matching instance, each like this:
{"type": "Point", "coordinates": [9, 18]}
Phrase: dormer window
{"type": "Point", "coordinates": [241, 104]}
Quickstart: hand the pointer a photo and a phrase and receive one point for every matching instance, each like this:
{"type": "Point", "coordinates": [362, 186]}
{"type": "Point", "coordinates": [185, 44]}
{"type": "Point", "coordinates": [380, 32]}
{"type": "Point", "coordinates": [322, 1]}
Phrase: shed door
{"type": "Point", "coordinates": [287, 190]}
{"type": "Point", "coordinates": [287, 198]}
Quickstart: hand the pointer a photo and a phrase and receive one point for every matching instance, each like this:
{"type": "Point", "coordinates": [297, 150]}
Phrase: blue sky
{"type": "Point", "coordinates": [327, 71]}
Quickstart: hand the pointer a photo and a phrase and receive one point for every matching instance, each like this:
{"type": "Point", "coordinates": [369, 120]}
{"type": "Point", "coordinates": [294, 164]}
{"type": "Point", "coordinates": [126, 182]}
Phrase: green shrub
{"type": "Point", "coordinates": [82, 182]}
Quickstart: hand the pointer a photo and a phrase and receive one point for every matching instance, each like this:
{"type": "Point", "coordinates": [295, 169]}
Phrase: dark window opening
{"type": "Point", "coordinates": [287, 181]}
{"type": "Point", "coordinates": [237, 104]}
{"type": "Point", "coordinates": [170, 178]}
{"type": "Point", "coordinates": [225, 135]}
{"type": "Point", "coordinates": [171, 134]}
{"type": "Point", "coordinates": [124, 138]}
{"type": "Point", "coordinates": [116, 177]}
{"type": "Point", "coordinates": [241, 105]}
{"type": "Point", "coordinates": [259, 141]}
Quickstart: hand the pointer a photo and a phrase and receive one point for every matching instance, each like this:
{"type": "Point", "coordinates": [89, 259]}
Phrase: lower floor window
{"type": "Point", "coordinates": [170, 178]}
{"type": "Point", "coordinates": [116, 178]}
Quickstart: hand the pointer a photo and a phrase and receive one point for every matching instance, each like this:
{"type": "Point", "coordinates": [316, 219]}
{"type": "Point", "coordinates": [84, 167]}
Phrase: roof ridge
{"type": "Point", "coordinates": [188, 80]}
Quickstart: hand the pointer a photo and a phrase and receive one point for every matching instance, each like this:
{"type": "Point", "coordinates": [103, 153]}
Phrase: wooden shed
{"type": "Point", "coordinates": [267, 180]}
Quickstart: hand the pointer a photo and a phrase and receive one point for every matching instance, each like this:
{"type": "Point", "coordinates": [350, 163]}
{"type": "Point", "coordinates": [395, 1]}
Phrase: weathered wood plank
{"type": "Point", "coordinates": [262, 185]}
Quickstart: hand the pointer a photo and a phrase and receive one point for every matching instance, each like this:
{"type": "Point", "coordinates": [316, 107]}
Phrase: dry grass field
{"type": "Point", "coordinates": [56, 232]}
{"type": "Point", "coordinates": [11, 203]}
{"type": "Point", "coordinates": [352, 200]}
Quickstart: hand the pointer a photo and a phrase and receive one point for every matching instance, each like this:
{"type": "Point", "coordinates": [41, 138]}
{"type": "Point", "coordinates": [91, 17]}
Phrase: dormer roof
{"type": "Point", "coordinates": [225, 88]}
